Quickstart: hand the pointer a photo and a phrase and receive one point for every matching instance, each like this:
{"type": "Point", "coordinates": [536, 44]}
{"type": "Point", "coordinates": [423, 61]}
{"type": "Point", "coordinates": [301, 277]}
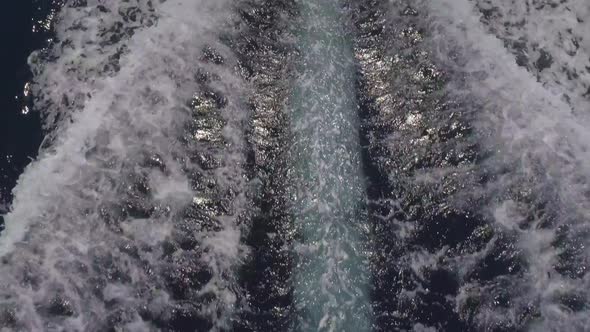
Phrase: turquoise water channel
{"type": "Point", "coordinates": [331, 277]}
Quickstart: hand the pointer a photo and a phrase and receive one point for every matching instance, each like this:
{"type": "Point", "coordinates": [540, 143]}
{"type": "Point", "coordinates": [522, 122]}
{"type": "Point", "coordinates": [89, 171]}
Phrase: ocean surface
{"type": "Point", "coordinates": [20, 129]}
{"type": "Point", "coordinates": [295, 165]}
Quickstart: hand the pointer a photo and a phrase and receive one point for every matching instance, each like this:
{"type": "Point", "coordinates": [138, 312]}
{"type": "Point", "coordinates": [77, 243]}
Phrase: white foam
{"type": "Point", "coordinates": [556, 29]}
{"type": "Point", "coordinates": [113, 117]}
{"type": "Point", "coordinates": [533, 123]}
{"type": "Point", "coordinates": [532, 129]}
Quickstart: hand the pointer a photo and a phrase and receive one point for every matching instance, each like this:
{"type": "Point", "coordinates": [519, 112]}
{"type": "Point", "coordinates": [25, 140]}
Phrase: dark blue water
{"type": "Point", "coordinates": [20, 133]}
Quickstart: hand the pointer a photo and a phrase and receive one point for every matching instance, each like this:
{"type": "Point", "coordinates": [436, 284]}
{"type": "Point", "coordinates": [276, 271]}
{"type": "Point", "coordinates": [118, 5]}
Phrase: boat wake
{"type": "Point", "coordinates": [261, 165]}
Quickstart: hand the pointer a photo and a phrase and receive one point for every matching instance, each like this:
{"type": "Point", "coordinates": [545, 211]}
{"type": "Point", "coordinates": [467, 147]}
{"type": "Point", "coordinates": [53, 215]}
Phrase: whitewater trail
{"type": "Point", "coordinates": [327, 183]}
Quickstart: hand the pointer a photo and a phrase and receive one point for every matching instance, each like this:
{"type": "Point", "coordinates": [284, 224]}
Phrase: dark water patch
{"type": "Point", "coordinates": [571, 243]}
{"type": "Point", "coordinates": [266, 60]}
{"type": "Point", "coordinates": [504, 258]}
{"type": "Point", "coordinates": [27, 28]}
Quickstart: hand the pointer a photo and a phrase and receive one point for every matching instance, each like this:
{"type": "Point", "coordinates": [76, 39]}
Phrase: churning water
{"type": "Point", "coordinates": [309, 165]}
{"type": "Point", "coordinates": [331, 278]}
